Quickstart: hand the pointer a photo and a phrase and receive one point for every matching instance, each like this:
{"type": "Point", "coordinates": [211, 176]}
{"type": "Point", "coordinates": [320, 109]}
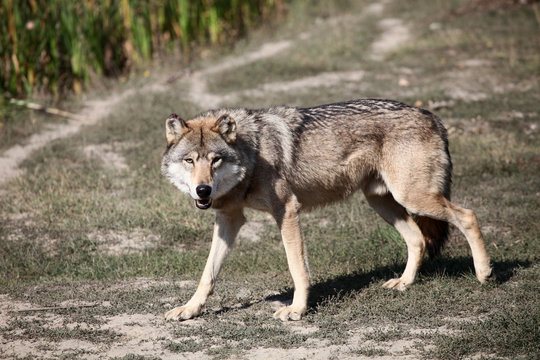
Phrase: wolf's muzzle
{"type": "Point", "coordinates": [203, 191]}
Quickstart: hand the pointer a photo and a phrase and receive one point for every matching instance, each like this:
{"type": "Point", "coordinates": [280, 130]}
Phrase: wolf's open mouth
{"type": "Point", "coordinates": [203, 204]}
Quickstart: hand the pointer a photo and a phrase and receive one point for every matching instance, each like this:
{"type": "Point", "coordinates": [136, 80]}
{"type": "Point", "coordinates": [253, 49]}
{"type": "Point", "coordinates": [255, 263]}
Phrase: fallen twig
{"type": "Point", "coordinates": [48, 110]}
{"type": "Point", "coordinates": [536, 12]}
{"type": "Point", "coordinates": [53, 308]}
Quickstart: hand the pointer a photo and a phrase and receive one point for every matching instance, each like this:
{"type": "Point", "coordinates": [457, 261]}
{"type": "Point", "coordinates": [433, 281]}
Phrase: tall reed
{"type": "Point", "coordinates": [57, 45]}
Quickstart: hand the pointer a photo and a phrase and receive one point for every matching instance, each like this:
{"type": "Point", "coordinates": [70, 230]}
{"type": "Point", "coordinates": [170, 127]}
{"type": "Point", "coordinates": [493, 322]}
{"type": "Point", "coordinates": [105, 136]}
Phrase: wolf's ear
{"type": "Point", "coordinates": [226, 126]}
{"type": "Point", "coordinates": [175, 128]}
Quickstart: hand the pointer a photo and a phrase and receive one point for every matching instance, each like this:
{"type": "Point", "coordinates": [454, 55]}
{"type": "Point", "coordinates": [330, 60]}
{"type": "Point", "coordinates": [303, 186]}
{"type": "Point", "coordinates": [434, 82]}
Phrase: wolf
{"type": "Point", "coordinates": [284, 160]}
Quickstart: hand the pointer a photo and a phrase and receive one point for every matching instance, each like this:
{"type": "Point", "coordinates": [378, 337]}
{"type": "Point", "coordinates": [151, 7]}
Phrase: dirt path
{"type": "Point", "coordinates": [94, 111]}
{"type": "Point", "coordinates": [150, 335]}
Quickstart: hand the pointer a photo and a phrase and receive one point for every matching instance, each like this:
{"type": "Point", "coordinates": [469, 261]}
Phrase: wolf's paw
{"type": "Point", "coordinates": [397, 283]}
{"type": "Point", "coordinates": [292, 312]}
{"type": "Point", "coordinates": [183, 312]}
{"type": "Point", "coordinates": [485, 274]}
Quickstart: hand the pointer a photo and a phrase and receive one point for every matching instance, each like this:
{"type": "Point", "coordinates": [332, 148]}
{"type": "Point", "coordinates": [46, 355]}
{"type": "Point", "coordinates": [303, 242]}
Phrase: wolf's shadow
{"type": "Point", "coordinates": [340, 286]}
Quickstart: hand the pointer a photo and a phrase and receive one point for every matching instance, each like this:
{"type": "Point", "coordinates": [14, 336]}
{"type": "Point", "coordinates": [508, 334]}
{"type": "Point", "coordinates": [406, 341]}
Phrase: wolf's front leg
{"type": "Point", "coordinates": [225, 230]}
{"type": "Point", "coordinates": [297, 259]}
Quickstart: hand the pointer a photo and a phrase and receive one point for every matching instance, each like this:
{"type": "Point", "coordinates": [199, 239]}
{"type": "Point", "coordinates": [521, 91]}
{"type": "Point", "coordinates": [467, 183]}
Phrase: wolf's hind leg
{"type": "Point", "coordinates": [396, 215]}
{"type": "Point", "coordinates": [225, 231]}
{"type": "Point", "coordinates": [467, 223]}
{"type": "Point", "coordinates": [438, 207]}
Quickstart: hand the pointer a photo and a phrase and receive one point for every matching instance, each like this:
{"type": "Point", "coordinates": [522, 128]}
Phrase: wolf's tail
{"type": "Point", "coordinates": [436, 231]}
{"type": "Point", "coordinates": [435, 234]}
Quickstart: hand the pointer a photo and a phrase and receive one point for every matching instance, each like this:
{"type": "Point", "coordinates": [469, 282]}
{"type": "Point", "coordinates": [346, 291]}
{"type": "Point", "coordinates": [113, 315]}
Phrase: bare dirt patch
{"type": "Point", "coordinates": [474, 80]}
{"type": "Point", "coordinates": [375, 8]}
{"type": "Point", "coordinates": [108, 154]}
{"type": "Point", "coordinates": [137, 334]}
{"type": "Point", "coordinates": [326, 79]}
{"type": "Point", "coordinates": [199, 93]}
{"type": "Point", "coordinates": [122, 242]}
{"type": "Point", "coordinates": [467, 85]}
{"type": "Point", "coordinates": [251, 231]}
{"type": "Point", "coordinates": [7, 305]}
{"type": "Point", "coordinates": [265, 51]}
{"type": "Point", "coordinates": [142, 334]}
{"type": "Point", "coordinates": [394, 35]}
{"type": "Point", "coordinates": [321, 353]}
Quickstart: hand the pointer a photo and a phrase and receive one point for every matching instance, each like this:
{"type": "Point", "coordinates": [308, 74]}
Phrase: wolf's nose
{"type": "Point", "coordinates": [203, 191]}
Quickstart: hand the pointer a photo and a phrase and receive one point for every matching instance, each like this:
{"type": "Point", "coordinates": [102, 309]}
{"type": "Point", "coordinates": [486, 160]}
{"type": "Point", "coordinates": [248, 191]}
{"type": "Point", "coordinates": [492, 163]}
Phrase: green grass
{"type": "Point", "coordinates": [49, 217]}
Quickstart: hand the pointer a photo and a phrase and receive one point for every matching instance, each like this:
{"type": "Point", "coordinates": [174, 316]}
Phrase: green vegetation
{"type": "Point", "coordinates": [57, 45]}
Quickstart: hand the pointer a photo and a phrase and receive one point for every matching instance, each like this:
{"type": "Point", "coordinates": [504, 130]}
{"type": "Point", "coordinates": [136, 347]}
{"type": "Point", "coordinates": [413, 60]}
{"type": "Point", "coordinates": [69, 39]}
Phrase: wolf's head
{"type": "Point", "coordinates": [201, 158]}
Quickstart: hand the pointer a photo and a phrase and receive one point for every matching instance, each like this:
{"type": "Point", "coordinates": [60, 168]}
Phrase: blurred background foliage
{"type": "Point", "coordinates": [57, 46]}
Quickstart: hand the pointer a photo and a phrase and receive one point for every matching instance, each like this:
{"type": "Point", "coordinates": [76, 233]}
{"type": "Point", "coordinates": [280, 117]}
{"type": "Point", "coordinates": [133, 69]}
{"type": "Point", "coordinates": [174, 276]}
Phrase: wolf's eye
{"type": "Point", "coordinates": [216, 160]}
{"type": "Point", "coordinates": [188, 160]}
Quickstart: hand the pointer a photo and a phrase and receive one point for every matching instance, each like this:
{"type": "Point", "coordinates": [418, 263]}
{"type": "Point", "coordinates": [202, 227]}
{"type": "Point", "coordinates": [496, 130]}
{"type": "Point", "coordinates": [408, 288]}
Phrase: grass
{"type": "Point", "coordinates": [50, 253]}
